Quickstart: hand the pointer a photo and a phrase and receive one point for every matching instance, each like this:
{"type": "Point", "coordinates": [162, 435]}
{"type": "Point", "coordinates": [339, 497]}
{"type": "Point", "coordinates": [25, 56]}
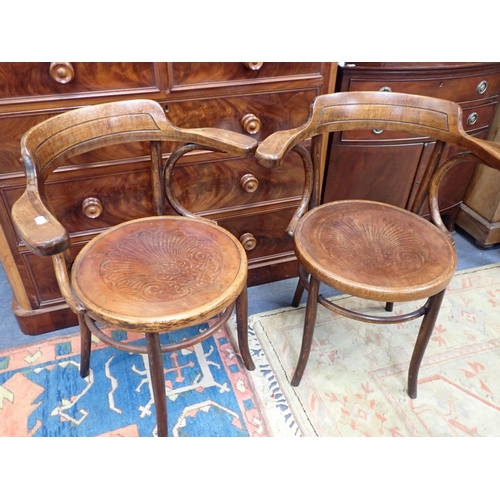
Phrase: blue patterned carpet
{"type": "Point", "coordinates": [208, 391]}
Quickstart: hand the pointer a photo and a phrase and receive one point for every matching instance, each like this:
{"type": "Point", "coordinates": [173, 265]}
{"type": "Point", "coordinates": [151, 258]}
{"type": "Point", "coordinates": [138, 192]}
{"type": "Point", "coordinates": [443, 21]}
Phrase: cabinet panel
{"type": "Point", "coordinates": [119, 197]}
{"type": "Point", "coordinates": [223, 184]}
{"type": "Point", "coordinates": [372, 172]}
{"type": "Point", "coordinates": [34, 80]}
{"type": "Point", "coordinates": [187, 74]}
{"type": "Point", "coordinates": [268, 228]}
{"type": "Point", "coordinates": [452, 88]}
{"type": "Point", "coordinates": [272, 111]}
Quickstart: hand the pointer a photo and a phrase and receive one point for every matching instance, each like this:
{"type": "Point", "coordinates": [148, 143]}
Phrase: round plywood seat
{"type": "Point", "coordinates": [159, 273]}
{"type": "Point", "coordinates": [375, 251]}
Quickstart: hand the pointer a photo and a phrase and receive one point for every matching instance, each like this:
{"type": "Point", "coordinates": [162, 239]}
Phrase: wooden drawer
{"type": "Point", "coordinates": [123, 192]}
{"type": "Point", "coordinates": [186, 74]}
{"type": "Point", "coordinates": [259, 115]}
{"type": "Point", "coordinates": [267, 229]}
{"type": "Point", "coordinates": [457, 89]}
{"type": "Point", "coordinates": [123, 196]}
{"type": "Point", "coordinates": [234, 183]}
{"type": "Point", "coordinates": [35, 81]}
{"type": "Point", "coordinates": [474, 118]}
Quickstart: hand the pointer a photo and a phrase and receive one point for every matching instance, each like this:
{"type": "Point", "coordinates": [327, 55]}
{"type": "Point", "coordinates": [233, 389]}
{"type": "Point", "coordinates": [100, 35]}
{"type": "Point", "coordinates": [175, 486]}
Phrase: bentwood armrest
{"type": "Point", "coordinates": [492, 148]}
{"type": "Point", "coordinates": [274, 148]}
{"type": "Point", "coordinates": [224, 140]}
{"type": "Point", "coordinates": [39, 229]}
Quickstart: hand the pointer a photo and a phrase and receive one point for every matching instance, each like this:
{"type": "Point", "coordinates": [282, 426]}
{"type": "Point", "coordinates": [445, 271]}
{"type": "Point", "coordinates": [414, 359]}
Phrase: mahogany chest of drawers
{"type": "Point", "coordinates": [100, 189]}
{"type": "Point", "coordinates": [386, 166]}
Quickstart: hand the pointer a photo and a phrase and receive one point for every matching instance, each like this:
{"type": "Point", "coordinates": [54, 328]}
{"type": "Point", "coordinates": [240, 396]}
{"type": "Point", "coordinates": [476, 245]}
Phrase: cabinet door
{"type": "Point", "coordinates": [377, 173]}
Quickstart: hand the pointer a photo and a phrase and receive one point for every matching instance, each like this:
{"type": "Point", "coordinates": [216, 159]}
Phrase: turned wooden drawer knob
{"type": "Point", "coordinates": [250, 124]}
{"type": "Point", "coordinates": [253, 65]}
{"type": "Point", "coordinates": [92, 208]}
{"type": "Point", "coordinates": [249, 183]}
{"type": "Point", "coordinates": [61, 72]}
{"type": "Point", "coordinates": [248, 241]}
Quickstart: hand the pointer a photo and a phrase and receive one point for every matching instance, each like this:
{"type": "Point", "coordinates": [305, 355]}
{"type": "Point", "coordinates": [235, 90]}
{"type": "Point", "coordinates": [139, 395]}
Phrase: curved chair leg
{"type": "Point", "coordinates": [424, 335]}
{"type": "Point", "coordinates": [85, 346]}
{"type": "Point", "coordinates": [309, 323]}
{"type": "Point", "coordinates": [299, 291]}
{"type": "Point", "coordinates": [158, 381]}
{"type": "Point", "coordinates": [242, 326]}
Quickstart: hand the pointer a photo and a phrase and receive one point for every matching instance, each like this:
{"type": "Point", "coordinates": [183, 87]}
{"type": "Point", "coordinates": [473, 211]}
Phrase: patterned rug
{"type": "Point", "coordinates": [355, 380]}
{"type": "Point", "coordinates": [208, 391]}
{"type": "Point", "coordinates": [354, 383]}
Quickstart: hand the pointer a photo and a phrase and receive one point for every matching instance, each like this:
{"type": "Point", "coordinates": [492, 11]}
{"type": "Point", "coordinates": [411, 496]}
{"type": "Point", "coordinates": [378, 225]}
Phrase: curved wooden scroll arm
{"type": "Point", "coordinates": [42, 233]}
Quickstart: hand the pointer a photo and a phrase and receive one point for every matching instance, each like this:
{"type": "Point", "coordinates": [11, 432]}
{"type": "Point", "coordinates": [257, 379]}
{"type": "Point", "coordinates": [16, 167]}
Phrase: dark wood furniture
{"type": "Point", "coordinates": [93, 192]}
{"type": "Point", "coordinates": [388, 166]}
{"type": "Point", "coordinates": [374, 250]}
{"type": "Point", "coordinates": [152, 274]}
{"type": "Point", "coordinates": [479, 213]}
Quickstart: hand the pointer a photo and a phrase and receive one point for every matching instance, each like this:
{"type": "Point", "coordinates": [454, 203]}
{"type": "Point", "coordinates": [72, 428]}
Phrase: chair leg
{"type": "Point", "coordinates": [424, 335]}
{"type": "Point", "coordinates": [299, 291]}
{"type": "Point", "coordinates": [389, 306]}
{"type": "Point", "coordinates": [158, 381]}
{"type": "Point", "coordinates": [309, 323]}
{"type": "Point", "coordinates": [242, 326]}
{"type": "Point", "coordinates": [85, 346]}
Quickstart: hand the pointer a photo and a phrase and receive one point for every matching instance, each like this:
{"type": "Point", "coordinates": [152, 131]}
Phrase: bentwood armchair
{"type": "Point", "coordinates": [151, 275]}
{"type": "Point", "coordinates": [369, 249]}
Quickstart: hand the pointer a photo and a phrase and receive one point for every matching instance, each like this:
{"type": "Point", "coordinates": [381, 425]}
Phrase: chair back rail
{"type": "Point", "coordinates": [49, 144]}
{"type": "Point", "coordinates": [420, 115]}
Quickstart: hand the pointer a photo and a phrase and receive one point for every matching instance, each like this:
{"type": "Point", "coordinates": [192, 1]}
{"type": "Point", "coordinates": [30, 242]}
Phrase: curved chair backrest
{"type": "Point", "coordinates": [49, 144]}
{"type": "Point", "coordinates": [426, 116]}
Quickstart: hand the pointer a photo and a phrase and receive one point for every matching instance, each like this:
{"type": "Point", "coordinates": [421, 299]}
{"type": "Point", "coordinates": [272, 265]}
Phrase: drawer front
{"type": "Point", "coordinates": [96, 201]}
{"type": "Point", "coordinates": [473, 118]}
{"type": "Point", "coordinates": [33, 80]}
{"type": "Point", "coordinates": [264, 234]}
{"type": "Point", "coordinates": [92, 200]}
{"type": "Point", "coordinates": [257, 115]}
{"type": "Point", "coordinates": [206, 73]}
{"type": "Point", "coordinates": [462, 89]}
{"type": "Point", "coordinates": [234, 183]}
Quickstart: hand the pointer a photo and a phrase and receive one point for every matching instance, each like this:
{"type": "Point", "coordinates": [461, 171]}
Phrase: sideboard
{"type": "Point", "coordinates": [99, 190]}
{"type": "Point", "coordinates": [387, 166]}
{"type": "Point", "coordinates": [479, 214]}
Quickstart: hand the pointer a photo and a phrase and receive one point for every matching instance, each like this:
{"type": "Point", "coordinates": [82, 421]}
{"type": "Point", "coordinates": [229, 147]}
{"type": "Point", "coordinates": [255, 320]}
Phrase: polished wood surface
{"type": "Point", "coordinates": [161, 272]}
{"type": "Point", "coordinates": [479, 213]}
{"type": "Point", "coordinates": [97, 189]}
{"type": "Point", "coordinates": [152, 274]}
{"type": "Point", "coordinates": [374, 250]}
{"type": "Point", "coordinates": [361, 161]}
